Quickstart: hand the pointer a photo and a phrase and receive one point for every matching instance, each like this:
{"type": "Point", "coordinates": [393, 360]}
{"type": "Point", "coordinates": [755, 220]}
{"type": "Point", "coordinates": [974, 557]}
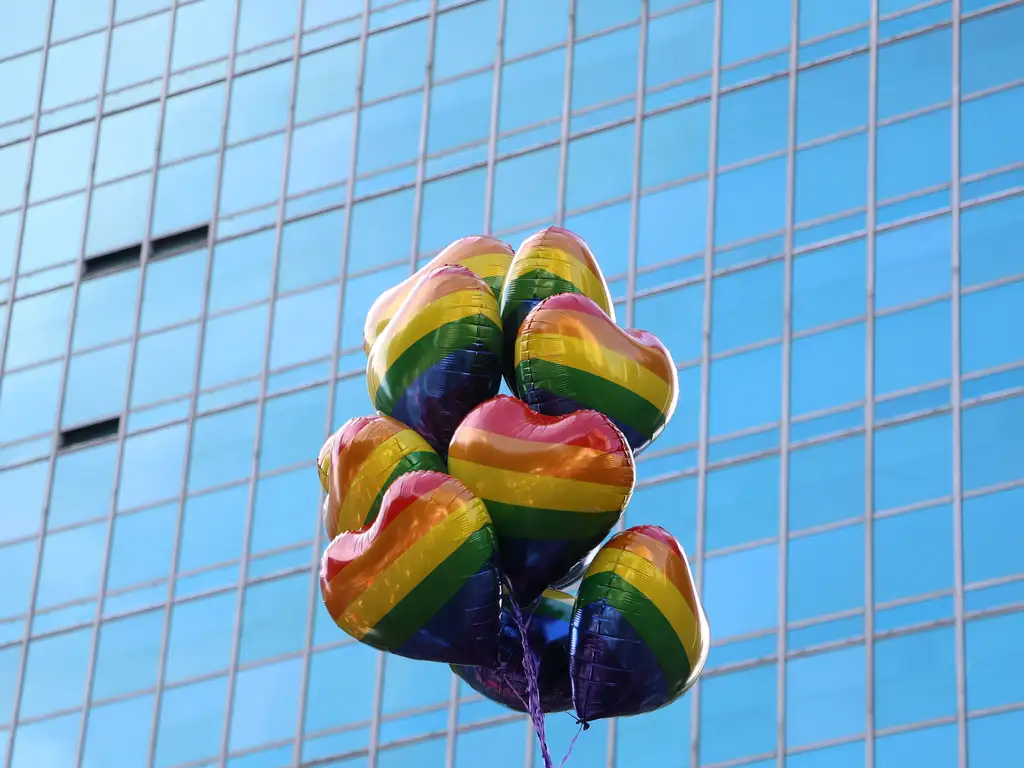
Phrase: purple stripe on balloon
{"type": "Point", "coordinates": [527, 561]}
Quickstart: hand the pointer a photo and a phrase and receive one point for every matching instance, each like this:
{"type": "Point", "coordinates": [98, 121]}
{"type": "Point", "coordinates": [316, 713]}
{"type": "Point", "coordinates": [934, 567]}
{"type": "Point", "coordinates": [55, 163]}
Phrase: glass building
{"type": "Point", "coordinates": [818, 205]}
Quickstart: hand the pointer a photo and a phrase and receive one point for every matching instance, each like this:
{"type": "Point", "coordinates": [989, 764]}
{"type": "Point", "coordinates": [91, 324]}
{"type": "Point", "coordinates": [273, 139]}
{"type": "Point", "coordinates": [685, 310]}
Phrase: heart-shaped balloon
{"type": "Point", "coordinates": [440, 356]}
{"type": "Point", "coordinates": [360, 461]}
{"type": "Point", "coordinates": [548, 637]}
{"type": "Point", "coordinates": [569, 356]}
{"type": "Point", "coordinates": [487, 257]}
{"type": "Point", "coordinates": [422, 580]}
{"type": "Point", "coordinates": [639, 634]}
{"type": "Point", "coordinates": [548, 263]}
{"type": "Point", "coordinates": [554, 485]}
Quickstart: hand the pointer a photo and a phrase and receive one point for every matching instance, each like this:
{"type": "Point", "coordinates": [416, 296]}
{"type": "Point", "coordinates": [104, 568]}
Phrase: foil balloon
{"type": "Point", "coordinates": [554, 486]}
{"type": "Point", "coordinates": [360, 461]}
{"type": "Point", "coordinates": [422, 580]}
{"type": "Point", "coordinates": [569, 356]}
{"type": "Point", "coordinates": [639, 634]}
{"type": "Point", "coordinates": [440, 356]}
{"type": "Point", "coordinates": [551, 262]}
{"type": "Point", "coordinates": [548, 637]}
{"type": "Point", "coordinates": [487, 257]}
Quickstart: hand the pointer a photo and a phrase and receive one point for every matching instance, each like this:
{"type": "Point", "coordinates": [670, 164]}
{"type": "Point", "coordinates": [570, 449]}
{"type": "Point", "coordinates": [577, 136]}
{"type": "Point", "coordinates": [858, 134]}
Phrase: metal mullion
{"type": "Point", "coordinates": [314, 597]}
{"type": "Point", "coordinates": [634, 236]}
{"type": "Point", "coordinates": [19, 688]}
{"type": "Point", "coordinates": [956, 397]}
{"type": "Point", "coordinates": [782, 638]}
{"type": "Point", "coordinates": [869, 395]}
{"type": "Point", "coordinates": [421, 156]}
{"type": "Point", "coordinates": [194, 396]}
{"type": "Point", "coordinates": [243, 571]}
{"type": "Point", "coordinates": [492, 137]}
{"type": "Point", "coordinates": [123, 437]}
{"type": "Point", "coordinates": [563, 139]}
{"type": "Point", "coordinates": [705, 372]}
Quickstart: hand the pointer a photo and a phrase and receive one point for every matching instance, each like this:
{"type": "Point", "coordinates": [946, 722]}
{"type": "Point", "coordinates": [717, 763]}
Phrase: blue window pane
{"type": "Point", "coordinates": [741, 591]}
{"type": "Point", "coordinates": [18, 567]}
{"type": "Point", "coordinates": [826, 483]}
{"type": "Point", "coordinates": [663, 735]}
{"type": "Point", "coordinates": [928, 534]}
{"type": "Point", "coordinates": [928, 748]}
{"type": "Point", "coordinates": [746, 307]}
{"type": "Point", "coordinates": [992, 450]}
{"type": "Point", "coordinates": [129, 9]}
{"type": "Point", "coordinates": [266, 704]}
{"type": "Point", "coordinates": [128, 656]}
{"type": "Point", "coordinates": [327, 81]}
{"type": "Point", "coordinates": [222, 446]}
{"type": "Point", "coordinates": [993, 677]}
{"type": "Point", "coordinates": [831, 178]}
{"type": "Point", "coordinates": [825, 696]}
{"type": "Point", "coordinates": [14, 171]}
{"type": "Point", "coordinates": [324, 708]}
{"type": "Point", "coordinates": [531, 25]}
{"type": "Point", "coordinates": [173, 290]}
{"type": "Point", "coordinates": [55, 673]}
{"type": "Point", "coordinates": [242, 271]}
{"type": "Point", "coordinates": [743, 503]}
{"type": "Point", "coordinates": [21, 101]}
{"type": "Point", "coordinates": [73, 71]}
{"type": "Point", "coordinates": [202, 32]}
{"type": "Point", "coordinates": [95, 386]}
{"type": "Point", "coordinates": [988, 56]}
{"type": "Point", "coordinates": [83, 546]}
{"type": "Point", "coordinates": [152, 467]}
{"type": "Point", "coordinates": [734, 406]}
{"type": "Point", "coordinates": [464, 39]}
{"type": "Point", "coordinates": [987, 322]}
{"type": "Point", "coordinates": [531, 91]}
{"type": "Point", "coordinates": [165, 365]}
{"type": "Point", "coordinates": [738, 715]}
{"type": "Point", "coordinates": [47, 240]}
{"type": "Point", "coordinates": [193, 120]}
{"type": "Point", "coordinates": [914, 154]}
{"type": "Point", "coordinates": [753, 121]}
{"type": "Point", "coordinates": [259, 102]}
{"type": "Point", "coordinates": [985, 237]}
{"type": "Point", "coordinates": [28, 401]}
{"type": "Point", "coordinates": [119, 732]}
{"type": "Point", "coordinates": [421, 753]}
{"type": "Point", "coordinates": [680, 44]}
{"type": "Point", "coordinates": [24, 491]}
{"type": "Point", "coordinates": [106, 309]}
{"type": "Point", "coordinates": [191, 722]}
{"type": "Point", "coordinates": [987, 737]}
{"type": "Point", "coordinates": [671, 505]}
{"type": "Point", "coordinates": [850, 755]}
{"type": "Point", "coordinates": [912, 263]}
{"type": "Point", "coordinates": [828, 369]}
{"type": "Point", "coordinates": [394, 60]}
{"type": "Point", "coordinates": [45, 737]}
{"type": "Point", "coordinates": [676, 317]}
{"type": "Point", "coordinates": [320, 155]}
{"type": "Point", "coordinates": [600, 167]}
{"type": "Point", "coordinates": [39, 328]}
{"type": "Point", "coordinates": [751, 202]}
{"type": "Point", "coordinates": [24, 28]}
{"type": "Point", "coordinates": [826, 573]}
{"type": "Point", "coordinates": [915, 73]}
{"type": "Point", "coordinates": [453, 207]}
{"type": "Point", "coordinates": [381, 230]}
{"type": "Point", "coordinates": [753, 27]}
{"type": "Point", "coordinates": [915, 678]}
{"type": "Point", "coordinates": [992, 528]}
{"type": "Point", "coordinates": [675, 145]}
{"type": "Point", "coordinates": [117, 214]}
{"type": "Point", "coordinates": [832, 98]}
{"type": "Point", "coordinates": [389, 133]}
{"type": "Point", "coordinates": [498, 746]}
{"type": "Point", "coordinates": [300, 333]}
{"type": "Point", "coordinates": [913, 462]}
{"type": "Point", "coordinates": [912, 348]}
{"type": "Point", "coordinates": [252, 174]}
{"type": "Point", "coordinates": [201, 635]}
{"type": "Point", "coordinates": [261, 21]}
{"type": "Point", "coordinates": [311, 251]}
{"type": "Point", "coordinates": [607, 231]}
{"type": "Point", "coordinates": [274, 618]}
{"type": "Point", "coordinates": [460, 112]}
{"type": "Point", "coordinates": [360, 293]}
{"type": "Point", "coordinates": [83, 485]}
{"type": "Point", "coordinates": [184, 195]}
{"type": "Point", "coordinates": [819, 17]}
{"type": "Point", "coordinates": [285, 511]}
{"type": "Point", "coordinates": [138, 51]}
{"type": "Point", "coordinates": [142, 547]}
{"type": "Point", "coordinates": [525, 189]}
{"type": "Point", "coordinates": [686, 207]}
{"type": "Point", "coordinates": [290, 423]}
{"type": "Point", "coordinates": [213, 528]}
{"type": "Point", "coordinates": [234, 345]}
{"type": "Point", "coordinates": [604, 68]}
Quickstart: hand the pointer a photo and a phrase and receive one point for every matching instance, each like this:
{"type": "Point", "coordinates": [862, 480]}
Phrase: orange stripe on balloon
{"type": "Point", "coordinates": [666, 559]}
{"type": "Point", "coordinates": [592, 429]}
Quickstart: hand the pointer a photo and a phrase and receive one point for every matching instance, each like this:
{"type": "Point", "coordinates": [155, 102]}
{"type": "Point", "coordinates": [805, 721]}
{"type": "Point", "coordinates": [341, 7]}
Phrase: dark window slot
{"type": "Point", "coordinates": [105, 263]}
{"type": "Point", "coordinates": [180, 242]}
{"type": "Point", "coordinates": [89, 433]}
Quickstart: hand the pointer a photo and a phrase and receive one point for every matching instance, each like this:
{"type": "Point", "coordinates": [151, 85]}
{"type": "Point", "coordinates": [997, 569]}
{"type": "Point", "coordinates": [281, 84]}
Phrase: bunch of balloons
{"type": "Point", "coordinates": [456, 514]}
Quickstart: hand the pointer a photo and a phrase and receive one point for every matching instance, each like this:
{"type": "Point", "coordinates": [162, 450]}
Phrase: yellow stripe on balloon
{"type": "Point", "coordinates": [538, 491]}
{"type": "Point", "coordinates": [642, 575]}
{"type": "Point", "coordinates": [565, 266]}
{"type": "Point", "coordinates": [584, 355]}
{"type": "Point", "coordinates": [411, 567]}
{"type": "Point", "coordinates": [374, 472]}
{"type": "Point", "coordinates": [487, 264]}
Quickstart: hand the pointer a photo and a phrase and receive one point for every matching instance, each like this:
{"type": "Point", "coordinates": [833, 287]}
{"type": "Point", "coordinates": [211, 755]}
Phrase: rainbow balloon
{"type": "Point", "coordinates": [640, 637]}
{"type": "Point", "coordinates": [548, 638]}
{"type": "Point", "coordinates": [440, 356]}
{"type": "Point", "coordinates": [422, 580]}
{"type": "Point", "coordinates": [360, 461]}
{"type": "Point", "coordinates": [554, 486]}
{"type": "Point", "coordinates": [548, 263]}
{"type": "Point", "coordinates": [487, 257]}
{"type": "Point", "coordinates": [570, 356]}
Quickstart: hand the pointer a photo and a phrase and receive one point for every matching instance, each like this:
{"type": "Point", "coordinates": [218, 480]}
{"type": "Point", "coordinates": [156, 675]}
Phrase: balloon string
{"type": "Point", "coordinates": [532, 688]}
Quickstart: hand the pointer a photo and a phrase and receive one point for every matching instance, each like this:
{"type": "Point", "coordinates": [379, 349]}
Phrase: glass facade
{"type": "Point", "coordinates": [818, 206]}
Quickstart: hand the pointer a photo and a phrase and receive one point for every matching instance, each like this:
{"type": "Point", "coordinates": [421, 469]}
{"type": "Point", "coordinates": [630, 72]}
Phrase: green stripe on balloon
{"type": "Point", "coordinates": [520, 522]}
